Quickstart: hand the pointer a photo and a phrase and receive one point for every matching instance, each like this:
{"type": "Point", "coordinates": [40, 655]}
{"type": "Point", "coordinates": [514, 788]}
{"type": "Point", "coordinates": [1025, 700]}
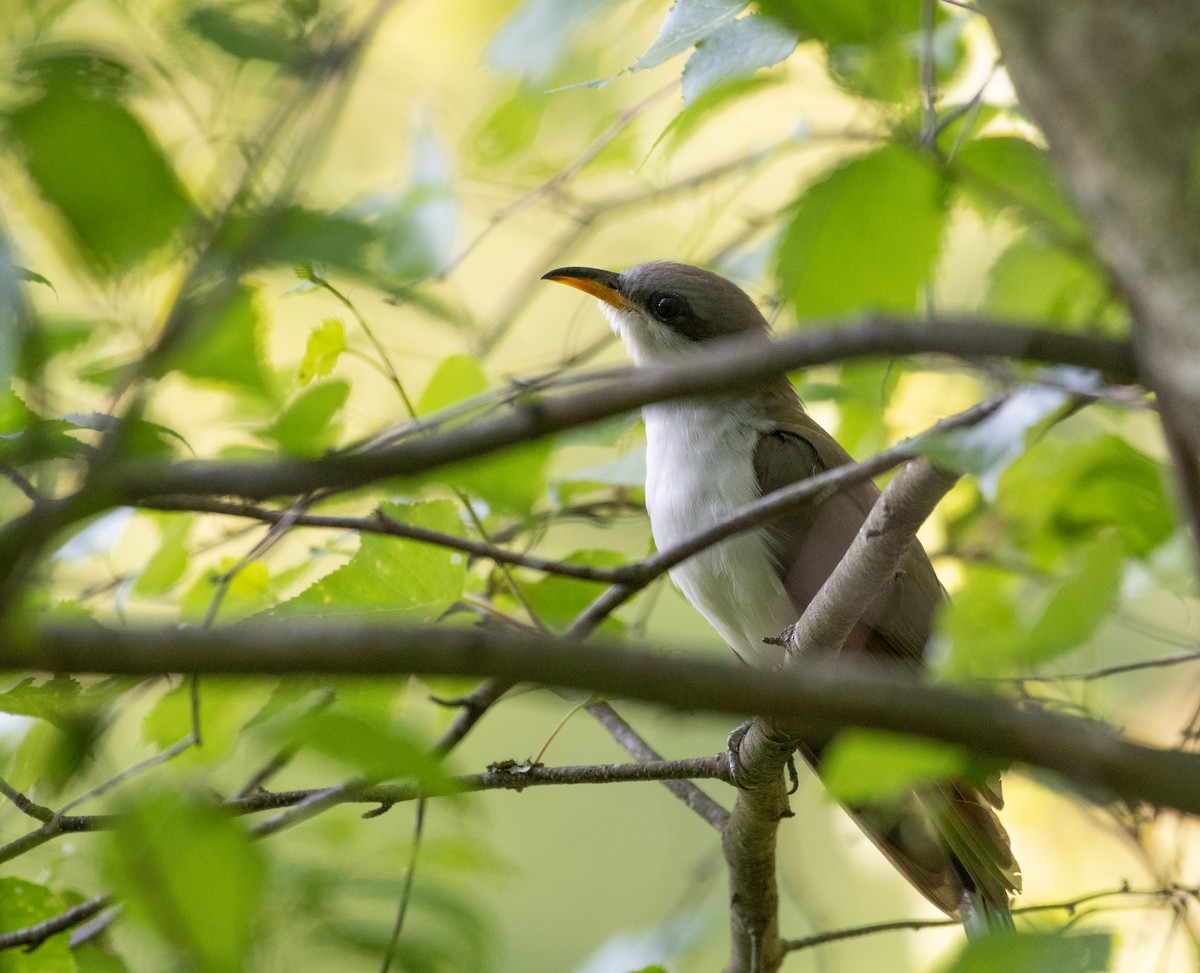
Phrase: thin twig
{"type": "Point", "coordinates": [1070, 906]}
{"type": "Point", "coordinates": [640, 750]}
{"type": "Point", "coordinates": [1163, 662]}
{"type": "Point", "coordinates": [406, 891]}
{"type": "Point", "coordinates": [33, 936]}
{"type": "Point", "coordinates": [24, 804]}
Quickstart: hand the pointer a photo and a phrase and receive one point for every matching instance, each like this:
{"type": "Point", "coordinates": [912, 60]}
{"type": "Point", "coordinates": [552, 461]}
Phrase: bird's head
{"type": "Point", "coordinates": [661, 309]}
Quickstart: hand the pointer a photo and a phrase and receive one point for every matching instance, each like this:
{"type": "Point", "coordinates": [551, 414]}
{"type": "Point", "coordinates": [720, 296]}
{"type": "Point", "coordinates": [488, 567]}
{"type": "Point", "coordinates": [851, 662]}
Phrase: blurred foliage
{"type": "Point", "coordinates": [271, 237]}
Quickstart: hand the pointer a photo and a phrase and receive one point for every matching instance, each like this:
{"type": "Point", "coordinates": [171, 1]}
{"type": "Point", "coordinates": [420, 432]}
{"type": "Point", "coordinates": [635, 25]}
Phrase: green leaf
{"type": "Point", "coordinates": [1063, 491]}
{"type": "Point", "coordinates": [191, 873]}
{"type": "Point", "coordinates": [139, 438]}
{"type": "Point", "coordinates": [1008, 172]}
{"type": "Point", "coordinates": [865, 237]}
{"type": "Point", "coordinates": [225, 705]}
{"type": "Point", "coordinates": [24, 904]}
{"type": "Point", "coordinates": [57, 700]}
{"type": "Point", "coordinates": [226, 349]}
{"type": "Point", "coordinates": [557, 600]}
{"type": "Point", "coordinates": [306, 427]}
{"type": "Point", "coordinates": [997, 625]}
{"type": "Point", "coordinates": [390, 580]}
{"type": "Point", "coordinates": [733, 52]}
{"type": "Point", "coordinates": [24, 273]}
{"type": "Point", "coordinates": [373, 748]}
{"type": "Point", "coordinates": [511, 479]}
{"type": "Point", "coordinates": [686, 23]}
{"type": "Point", "coordinates": [286, 693]}
{"type": "Point", "coordinates": [457, 377]}
{"type": "Point", "coordinates": [302, 236]}
{"type": "Point", "coordinates": [1034, 280]}
{"type": "Point", "coordinates": [873, 45]}
{"type": "Point", "coordinates": [321, 351]}
{"type": "Point", "coordinates": [979, 629]}
{"type": "Point", "coordinates": [1039, 952]}
{"type": "Point", "coordinates": [99, 167]}
{"type": "Point", "coordinates": [1077, 606]}
{"type": "Point", "coordinates": [509, 128]}
{"type": "Point", "coordinates": [170, 719]}
{"type": "Point", "coordinates": [53, 336]}
{"type": "Point", "coordinates": [704, 107]}
{"type": "Point", "coordinates": [866, 766]}
{"type": "Point", "coordinates": [243, 38]}
{"type": "Point", "coordinates": [248, 592]}
{"type": "Point", "coordinates": [169, 562]}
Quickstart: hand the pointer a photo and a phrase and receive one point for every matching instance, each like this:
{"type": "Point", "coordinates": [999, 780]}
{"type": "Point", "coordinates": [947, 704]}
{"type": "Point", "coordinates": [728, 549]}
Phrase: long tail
{"type": "Point", "coordinates": [982, 917]}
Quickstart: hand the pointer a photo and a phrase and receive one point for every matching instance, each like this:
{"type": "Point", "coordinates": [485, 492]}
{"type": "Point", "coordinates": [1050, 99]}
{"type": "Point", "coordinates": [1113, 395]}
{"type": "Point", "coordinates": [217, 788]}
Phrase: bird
{"type": "Point", "coordinates": [706, 458]}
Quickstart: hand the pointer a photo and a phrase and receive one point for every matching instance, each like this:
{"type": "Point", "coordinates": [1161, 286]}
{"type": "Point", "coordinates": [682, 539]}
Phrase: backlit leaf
{"type": "Point", "coordinates": [325, 343]}
{"type": "Point", "coordinates": [457, 377]}
{"type": "Point", "coordinates": [865, 237]}
{"type": "Point", "coordinates": [306, 426]}
{"type": "Point", "coordinates": [1034, 280]}
{"type": "Point", "coordinates": [390, 580]}
{"type": "Point", "coordinates": [735, 51]}
{"type": "Point", "coordinates": [226, 349]}
{"type": "Point", "coordinates": [986, 448]}
{"type": "Point", "coordinates": [190, 872]}
{"type": "Point", "coordinates": [687, 22]}
{"type": "Point", "coordinates": [1078, 605]}
{"type": "Point", "coordinates": [862, 766]}
{"type": "Point", "coordinates": [24, 904]}
{"type": "Point", "coordinates": [95, 162]}
{"type": "Point", "coordinates": [1008, 172]}
{"type": "Point", "coordinates": [377, 750]}
{"type": "Point", "coordinates": [1034, 952]}
{"type": "Point", "coordinates": [1063, 491]}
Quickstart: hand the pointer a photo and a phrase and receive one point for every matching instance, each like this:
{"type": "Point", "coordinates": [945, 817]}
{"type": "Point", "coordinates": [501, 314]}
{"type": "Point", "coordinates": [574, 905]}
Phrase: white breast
{"type": "Point", "coordinates": [699, 469]}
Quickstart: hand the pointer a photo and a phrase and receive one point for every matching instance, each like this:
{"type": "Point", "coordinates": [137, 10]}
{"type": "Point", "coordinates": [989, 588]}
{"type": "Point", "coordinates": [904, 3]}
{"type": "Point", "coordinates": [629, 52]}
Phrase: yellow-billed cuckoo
{"type": "Point", "coordinates": [705, 458]}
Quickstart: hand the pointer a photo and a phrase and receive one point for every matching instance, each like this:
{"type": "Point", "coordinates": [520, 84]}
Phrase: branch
{"type": "Point", "coordinates": [72, 824]}
{"type": "Point", "coordinates": [871, 562]}
{"type": "Point", "coordinates": [507, 776]}
{"type": "Point", "coordinates": [1090, 754]}
{"type": "Point", "coordinates": [33, 936]}
{"type": "Point", "coordinates": [718, 370]}
{"type": "Point", "coordinates": [647, 756]}
{"type": "Point", "coordinates": [300, 805]}
{"type": "Point", "coordinates": [864, 571]}
{"type": "Point", "coordinates": [380, 523]}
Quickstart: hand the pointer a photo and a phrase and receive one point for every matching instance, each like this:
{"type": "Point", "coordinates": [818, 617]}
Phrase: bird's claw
{"type": "Point", "coordinates": [733, 744]}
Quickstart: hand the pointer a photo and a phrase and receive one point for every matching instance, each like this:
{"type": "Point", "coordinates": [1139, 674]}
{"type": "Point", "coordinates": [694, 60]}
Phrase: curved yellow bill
{"type": "Point", "coordinates": [603, 284]}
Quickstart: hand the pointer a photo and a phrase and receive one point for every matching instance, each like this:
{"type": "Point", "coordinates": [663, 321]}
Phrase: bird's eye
{"type": "Point", "coordinates": [666, 306]}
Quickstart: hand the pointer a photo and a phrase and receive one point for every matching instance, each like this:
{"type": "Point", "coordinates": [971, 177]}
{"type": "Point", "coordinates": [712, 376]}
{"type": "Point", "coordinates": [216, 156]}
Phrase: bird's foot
{"type": "Point", "coordinates": [733, 744]}
{"type": "Point", "coordinates": [793, 777]}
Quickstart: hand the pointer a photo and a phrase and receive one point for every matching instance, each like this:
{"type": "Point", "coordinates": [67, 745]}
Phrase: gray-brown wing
{"type": "Point", "coordinates": [807, 543]}
{"type": "Point", "coordinates": [945, 839]}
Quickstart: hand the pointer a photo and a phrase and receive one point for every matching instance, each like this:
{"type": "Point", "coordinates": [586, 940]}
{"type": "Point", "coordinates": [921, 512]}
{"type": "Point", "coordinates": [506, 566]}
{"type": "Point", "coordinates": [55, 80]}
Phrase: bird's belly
{"type": "Point", "coordinates": [700, 469]}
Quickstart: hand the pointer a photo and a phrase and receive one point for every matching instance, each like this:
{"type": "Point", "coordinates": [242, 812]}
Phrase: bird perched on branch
{"type": "Point", "coordinates": [705, 458]}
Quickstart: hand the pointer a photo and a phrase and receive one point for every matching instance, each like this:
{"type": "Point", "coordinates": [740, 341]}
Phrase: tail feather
{"type": "Point", "coordinates": [946, 839]}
